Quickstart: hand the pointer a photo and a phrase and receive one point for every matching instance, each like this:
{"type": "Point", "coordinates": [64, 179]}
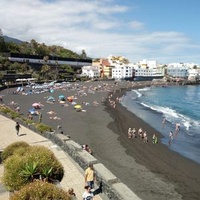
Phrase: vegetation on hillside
{"type": "Point", "coordinates": [43, 73]}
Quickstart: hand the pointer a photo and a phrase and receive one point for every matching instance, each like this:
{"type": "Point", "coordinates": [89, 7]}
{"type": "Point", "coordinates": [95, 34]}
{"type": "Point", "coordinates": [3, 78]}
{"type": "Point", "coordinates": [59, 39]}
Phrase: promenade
{"type": "Point", "coordinates": [73, 176]}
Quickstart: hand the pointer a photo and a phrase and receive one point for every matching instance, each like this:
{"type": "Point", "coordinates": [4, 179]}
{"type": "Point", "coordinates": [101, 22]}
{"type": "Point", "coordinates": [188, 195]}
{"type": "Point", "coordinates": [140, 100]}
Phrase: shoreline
{"type": "Point", "coordinates": [153, 172]}
{"type": "Point", "coordinates": [178, 172]}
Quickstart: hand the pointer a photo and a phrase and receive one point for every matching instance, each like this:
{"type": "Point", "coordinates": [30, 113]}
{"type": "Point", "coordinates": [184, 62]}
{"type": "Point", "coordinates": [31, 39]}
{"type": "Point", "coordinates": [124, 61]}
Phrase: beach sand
{"type": "Point", "coordinates": [152, 171]}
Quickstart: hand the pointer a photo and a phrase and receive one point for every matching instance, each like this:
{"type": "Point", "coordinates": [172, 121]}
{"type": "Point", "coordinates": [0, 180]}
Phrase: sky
{"type": "Point", "coordinates": [163, 30]}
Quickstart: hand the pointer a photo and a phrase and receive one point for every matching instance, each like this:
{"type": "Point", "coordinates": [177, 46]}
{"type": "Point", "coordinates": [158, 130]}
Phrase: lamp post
{"type": "Point", "coordinates": [7, 84]}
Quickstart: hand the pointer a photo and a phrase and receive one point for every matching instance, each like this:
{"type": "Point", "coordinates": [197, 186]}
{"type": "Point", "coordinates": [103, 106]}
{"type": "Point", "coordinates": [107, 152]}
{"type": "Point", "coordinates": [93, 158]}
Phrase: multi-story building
{"type": "Point", "coordinates": [122, 72]}
{"type": "Point", "coordinates": [177, 70]}
{"type": "Point", "coordinates": [91, 71]}
{"type": "Point", "coordinates": [148, 70]}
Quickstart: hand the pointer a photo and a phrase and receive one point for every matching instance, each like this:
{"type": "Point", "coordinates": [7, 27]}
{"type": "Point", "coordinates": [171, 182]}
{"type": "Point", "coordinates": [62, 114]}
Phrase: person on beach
{"type": "Point", "coordinates": [129, 133]}
{"type": "Point", "coordinates": [177, 129]}
{"type": "Point", "coordinates": [18, 109]}
{"type": "Point", "coordinates": [171, 137]}
{"type": "Point", "coordinates": [140, 133]}
{"type": "Point", "coordinates": [30, 116]}
{"type": "Point", "coordinates": [87, 148]}
{"type": "Point", "coordinates": [17, 127]}
{"type": "Point", "coordinates": [90, 176]}
{"type": "Point", "coordinates": [145, 138]}
{"type": "Point", "coordinates": [163, 122]}
{"type": "Point", "coordinates": [154, 139]}
{"type": "Point", "coordinates": [134, 133]}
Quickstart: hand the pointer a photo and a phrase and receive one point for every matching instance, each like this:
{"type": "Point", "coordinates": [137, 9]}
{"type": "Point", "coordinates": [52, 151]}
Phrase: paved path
{"type": "Point", "coordinates": [74, 175]}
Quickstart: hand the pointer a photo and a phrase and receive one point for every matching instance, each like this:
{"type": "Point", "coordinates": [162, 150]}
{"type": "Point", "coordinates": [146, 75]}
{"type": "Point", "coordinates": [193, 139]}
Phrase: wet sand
{"type": "Point", "coordinates": [152, 171]}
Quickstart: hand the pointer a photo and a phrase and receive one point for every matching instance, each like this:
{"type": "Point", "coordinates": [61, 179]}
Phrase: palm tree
{"type": "Point", "coordinates": [45, 71]}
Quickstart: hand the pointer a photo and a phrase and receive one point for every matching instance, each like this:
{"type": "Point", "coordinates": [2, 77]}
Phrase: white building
{"type": "Point", "coordinates": [177, 70]}
{"type": "Point", "coordinates": [148, 70]}
{"type": "Point", "coordinates": [193, 74]}
{"type": "Point", "coordinates": [122, 71]}
{"type": "Point", "coordinates": [91, 71]}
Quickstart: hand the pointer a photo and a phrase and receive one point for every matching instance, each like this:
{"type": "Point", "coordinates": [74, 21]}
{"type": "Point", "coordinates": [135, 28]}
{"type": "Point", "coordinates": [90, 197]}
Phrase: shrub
{"type": "Point", "coordinates": [43, 128]}
{"type": "Point", "coordinates": [27, 121]}
{"type": "Point", "coordinates": [5, 110]}
{"type": "Point", "coordinates": [40, 190]}
{"type": "Point", "coordinates": [14, 114]}
{"type": "Point", "coordinates": [38, 162]}
{"type": "Point", "coordinates": [46, 160]}
{"type": "Point", "coordinates": [15, 148]}
{"type": "Point", "coordinates": [13, 166]}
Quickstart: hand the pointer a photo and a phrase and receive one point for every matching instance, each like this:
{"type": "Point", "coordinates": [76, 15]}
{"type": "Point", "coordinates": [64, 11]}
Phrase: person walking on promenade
{"type": "Point", "coordinates": [17, 127]}
{"type": "Point", "coordinates": [90, 176]}
{"type": "Point", "coordinates": [88, 195]}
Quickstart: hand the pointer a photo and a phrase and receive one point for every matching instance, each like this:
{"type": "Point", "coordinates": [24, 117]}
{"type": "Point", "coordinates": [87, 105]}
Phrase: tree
{"type": "Point", "coordinates": [83, 54]}
{"type": "Point", "coordinates": [45, 71]}
{"type": "Point", "coordinates": [3, 46]}
{"type": "Point", "coordinates": [1, 32]}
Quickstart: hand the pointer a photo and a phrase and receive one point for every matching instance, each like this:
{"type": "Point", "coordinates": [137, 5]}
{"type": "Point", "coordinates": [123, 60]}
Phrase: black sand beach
{"type": "Point", "coordinates": [153, 172]}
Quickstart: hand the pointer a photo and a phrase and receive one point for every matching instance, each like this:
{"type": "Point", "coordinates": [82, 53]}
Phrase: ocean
{"type": "Point", "coordinates": [175, 104]}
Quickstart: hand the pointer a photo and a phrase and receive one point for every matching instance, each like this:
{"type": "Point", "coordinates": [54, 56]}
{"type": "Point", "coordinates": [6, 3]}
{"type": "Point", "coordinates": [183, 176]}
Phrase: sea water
{"type": "Point", "coordinates": [177, 104]}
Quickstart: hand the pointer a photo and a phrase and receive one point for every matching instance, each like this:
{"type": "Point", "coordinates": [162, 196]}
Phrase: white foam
{"type": "Point", "coordinates": [138, 93]}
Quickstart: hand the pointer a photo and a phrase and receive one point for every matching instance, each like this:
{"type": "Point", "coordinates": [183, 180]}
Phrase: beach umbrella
{"type": "Point", "coordinates": [61, 96]}
{"type": "Point", "coordinates": [77, 106]}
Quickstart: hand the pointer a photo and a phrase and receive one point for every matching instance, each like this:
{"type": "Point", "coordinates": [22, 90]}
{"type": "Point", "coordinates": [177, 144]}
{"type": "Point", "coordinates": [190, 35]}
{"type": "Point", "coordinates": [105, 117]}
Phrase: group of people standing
{"type": "Point", "coordinates": [142, 135]}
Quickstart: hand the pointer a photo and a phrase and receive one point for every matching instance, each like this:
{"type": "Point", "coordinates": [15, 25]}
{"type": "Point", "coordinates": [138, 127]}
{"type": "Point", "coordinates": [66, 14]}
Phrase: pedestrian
{"type": "Point", "coordinates": [154, 139]}
{"type": "Point", "coordinates": [90, 176]}
{"type": "Point", "coordinates": [134, 133]}
{"type": "Point", "coordinates": [129, 133]}
{"type": "Point", "coordinates": [145, 137]}
{"type": "Point", "coordinates": [163, 122]}
{"type": "Point", "coordinates": [88, 195]}
{"type": "Point", "coordinates": [171, 137]}
{"type": "Point", "coordinates": [17, 127]}
{"type": "Point", "coordinates": [140, 133]}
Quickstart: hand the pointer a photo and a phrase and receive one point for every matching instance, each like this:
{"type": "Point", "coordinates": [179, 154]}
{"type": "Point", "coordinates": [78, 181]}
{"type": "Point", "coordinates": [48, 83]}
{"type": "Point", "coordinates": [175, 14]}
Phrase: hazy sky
{"type": "Point", "coordinates": [162, 30]}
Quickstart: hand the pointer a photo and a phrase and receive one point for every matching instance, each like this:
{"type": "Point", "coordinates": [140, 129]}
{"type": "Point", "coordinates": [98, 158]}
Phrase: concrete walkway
{"type": "Point", "coordinates": [74, 175]}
